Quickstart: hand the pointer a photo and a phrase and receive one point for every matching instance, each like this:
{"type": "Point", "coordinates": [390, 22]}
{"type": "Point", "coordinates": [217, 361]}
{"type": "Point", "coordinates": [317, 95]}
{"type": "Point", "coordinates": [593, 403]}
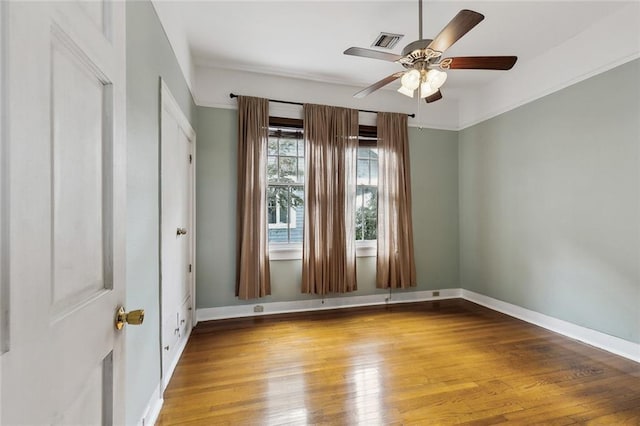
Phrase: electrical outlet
{"type": "Point", "coordinates": [435, 293]}
{"type": "Point", "coordinates": [258, 308]}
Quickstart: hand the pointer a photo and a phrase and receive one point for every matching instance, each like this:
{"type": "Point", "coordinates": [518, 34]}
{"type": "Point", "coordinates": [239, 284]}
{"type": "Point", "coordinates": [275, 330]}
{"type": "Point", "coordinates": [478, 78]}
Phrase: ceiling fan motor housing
{"type": "Point", "coordinates": [418, 51]}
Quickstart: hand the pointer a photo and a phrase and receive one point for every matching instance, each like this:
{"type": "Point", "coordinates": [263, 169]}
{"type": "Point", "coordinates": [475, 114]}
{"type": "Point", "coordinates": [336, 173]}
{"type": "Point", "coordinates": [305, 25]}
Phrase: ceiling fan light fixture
{"type": "Point", "coordinates": [411, 79]}
{"type": "Point", "coordinates": [405, 91]}
{"type": "Point", "coordinates": [436, 78]}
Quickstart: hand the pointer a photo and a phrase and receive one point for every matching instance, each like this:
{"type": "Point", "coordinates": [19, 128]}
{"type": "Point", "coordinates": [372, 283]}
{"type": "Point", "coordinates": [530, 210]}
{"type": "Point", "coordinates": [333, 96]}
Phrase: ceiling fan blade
{"type": "Point", "coordinates": [479, 63]}
{"type": "Point", "coordinates": [435, 97]}
{"type": "Point", "coordinates": [461, 24]}
{"type": "Point", "coordinates": [370, 53]}
{"type": "Point", "coordinates": [378, 85]}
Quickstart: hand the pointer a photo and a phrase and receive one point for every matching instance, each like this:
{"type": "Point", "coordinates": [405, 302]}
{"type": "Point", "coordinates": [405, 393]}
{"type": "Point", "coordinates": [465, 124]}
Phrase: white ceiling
{"type": "Point", "coordinates": [305, 39]}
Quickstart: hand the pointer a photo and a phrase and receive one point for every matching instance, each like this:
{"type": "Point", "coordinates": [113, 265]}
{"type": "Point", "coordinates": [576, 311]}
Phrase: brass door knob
{"type": "Point", "coordinates": [182, 231]}
{"type": "Point", "coordinates": [134, 317]}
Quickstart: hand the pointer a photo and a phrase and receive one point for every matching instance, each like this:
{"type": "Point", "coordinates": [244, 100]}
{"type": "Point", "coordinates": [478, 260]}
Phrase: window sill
{"type": "Point", "coordinates": [294, 251]}
{"type": "Point", "coordinates": [285, 251]}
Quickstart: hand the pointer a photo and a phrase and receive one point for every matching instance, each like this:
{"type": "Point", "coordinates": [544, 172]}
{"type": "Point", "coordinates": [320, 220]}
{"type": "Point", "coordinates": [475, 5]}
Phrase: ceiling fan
{"type": "Point", "coordinates": [422, 59]}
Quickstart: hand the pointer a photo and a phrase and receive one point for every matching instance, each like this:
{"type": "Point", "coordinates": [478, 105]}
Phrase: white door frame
{"type": "Point", "coordinates": [168, 102]}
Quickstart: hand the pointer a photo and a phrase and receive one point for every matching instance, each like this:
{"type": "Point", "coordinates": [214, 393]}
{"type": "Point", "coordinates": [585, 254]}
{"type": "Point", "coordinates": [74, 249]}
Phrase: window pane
{"type": "Point", "coordinates": [373, 168]}
{"type": "Point", "coordinates": [370, 210]}
{"type": "Point", "coordinates": [364, 152]}
{"type": "Point", "coordinates": [288, 147]}
{"type": "Point", "coordinates": [271, 205]}
{"type": "Point", "coordinates": [363, 172]}
{"type": "Point", "coordinates": [283, 206]}
{"type": "Point", "coordinates": [288, 169]}
{"type": "Point", "coordinates": [272, 168]}
{"type": "Point", "coordinates": [366, 213]}
{"type": "Point", "coordinates": [359, 216]}
{"type": "Point", "coordinates": [272, 146]}
{"type": "Point", "coordinates": [300, 170]}
{"type": "Point", "coordinates": [297, 214]}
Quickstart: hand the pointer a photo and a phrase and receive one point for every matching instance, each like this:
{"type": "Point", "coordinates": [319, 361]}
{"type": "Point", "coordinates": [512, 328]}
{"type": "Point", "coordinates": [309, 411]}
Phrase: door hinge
{"type": "Point", "coordinates": [189, 267]}
{"type": "Point", "coordinates": [190, 159]}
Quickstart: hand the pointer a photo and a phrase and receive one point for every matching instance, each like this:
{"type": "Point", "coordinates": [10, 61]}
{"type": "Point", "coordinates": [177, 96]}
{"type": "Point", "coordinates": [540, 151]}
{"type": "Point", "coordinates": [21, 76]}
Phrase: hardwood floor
{"type": "Point", "coordinates": [445, 362]}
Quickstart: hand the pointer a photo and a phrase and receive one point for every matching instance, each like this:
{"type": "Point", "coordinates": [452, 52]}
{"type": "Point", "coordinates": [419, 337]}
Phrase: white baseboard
{"type": "Point", "coordinates": [270, 308]}
{"type": "Point", "coordinates": [154, 406]}
{"type": "Point", "coordinates": [598, 339]}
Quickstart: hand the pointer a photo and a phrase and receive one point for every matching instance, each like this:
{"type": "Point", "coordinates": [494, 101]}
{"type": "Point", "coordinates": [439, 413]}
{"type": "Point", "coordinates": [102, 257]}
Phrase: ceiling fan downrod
{"type": "Point", "coordinates": [419, 19]}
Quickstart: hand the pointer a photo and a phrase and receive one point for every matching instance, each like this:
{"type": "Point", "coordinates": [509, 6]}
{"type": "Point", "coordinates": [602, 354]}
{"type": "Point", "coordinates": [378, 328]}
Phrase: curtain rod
{"type": "Point", "coordinates": [232, 95]}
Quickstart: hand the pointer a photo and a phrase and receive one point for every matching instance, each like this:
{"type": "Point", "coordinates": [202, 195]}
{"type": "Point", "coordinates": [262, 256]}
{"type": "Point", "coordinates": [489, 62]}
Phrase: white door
{"type": "Point", "coordinates": [63, 362]}
{"type": "Point", "coordinates": [177, 229]}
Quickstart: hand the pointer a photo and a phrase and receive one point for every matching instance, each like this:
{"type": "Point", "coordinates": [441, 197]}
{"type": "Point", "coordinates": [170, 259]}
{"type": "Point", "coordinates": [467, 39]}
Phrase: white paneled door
{"type": "Point", "coordinates": [65, 213]}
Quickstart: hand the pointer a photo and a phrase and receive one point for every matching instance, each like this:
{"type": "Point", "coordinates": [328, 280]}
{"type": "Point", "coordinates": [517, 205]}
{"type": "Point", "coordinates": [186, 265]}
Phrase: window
{"type": "Point", "coordinates": [366, 211]}
{"type": "Point", "coordinates": [285, 177]}
{"type": "Point", "coordinates": [285, 182]}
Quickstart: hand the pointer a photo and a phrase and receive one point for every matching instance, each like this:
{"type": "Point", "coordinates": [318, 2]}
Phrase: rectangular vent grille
{"type": "Point", "coordinates": [387, 40]}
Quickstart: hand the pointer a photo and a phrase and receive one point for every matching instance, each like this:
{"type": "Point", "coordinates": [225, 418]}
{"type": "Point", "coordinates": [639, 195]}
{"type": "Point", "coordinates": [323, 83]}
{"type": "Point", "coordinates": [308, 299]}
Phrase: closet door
{"type": "Point", "coordinates": [177, 230]}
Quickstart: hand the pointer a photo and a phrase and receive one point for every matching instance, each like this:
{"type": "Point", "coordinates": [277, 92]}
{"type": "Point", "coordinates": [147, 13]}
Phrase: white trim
{"type": "Point", "coordinates": [152, 411]}
{"type": "Point", "coordinates": [595, 338]}
{"type": "Point", "coordinates": [615, 345]}
{"type": "Point", "coordinates": [270, 308]}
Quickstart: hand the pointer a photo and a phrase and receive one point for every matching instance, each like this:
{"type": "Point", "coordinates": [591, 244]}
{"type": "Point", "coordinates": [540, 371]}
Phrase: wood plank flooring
{"type": "Point", "coordinates": [445, 362]}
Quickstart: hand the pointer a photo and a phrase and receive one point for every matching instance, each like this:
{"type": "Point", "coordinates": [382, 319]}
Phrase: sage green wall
{"type": "Point", "coordinates": [149, 57]}
{"type": "Point", "coordinates": [434, 173]}
{"type": "Point", "coordinates": [550, 204]}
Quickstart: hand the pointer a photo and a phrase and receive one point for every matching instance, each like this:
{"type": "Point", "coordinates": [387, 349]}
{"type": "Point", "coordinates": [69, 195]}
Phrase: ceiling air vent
{"type": "Point", "coordinates": [387, 40]}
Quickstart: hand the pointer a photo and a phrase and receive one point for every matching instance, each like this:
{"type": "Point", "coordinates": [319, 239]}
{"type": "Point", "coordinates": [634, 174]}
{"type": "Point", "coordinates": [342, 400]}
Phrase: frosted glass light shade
{"type": "Point", "coordinates": [405, 91]}
{"type": "Point", "coordinates": [436, 78]}
{"type": "Point", "coordinates": [411, 79]}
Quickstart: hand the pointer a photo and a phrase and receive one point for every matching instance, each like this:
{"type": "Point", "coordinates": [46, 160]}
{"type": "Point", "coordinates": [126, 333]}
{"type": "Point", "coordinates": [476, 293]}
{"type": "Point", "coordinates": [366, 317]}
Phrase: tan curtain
{"type": "Point", "coordinates": [329, 252]}
{"type": "Point", "coordinates": [252, 249]}
{"type": "Point", "coordinates": [395, 262]}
